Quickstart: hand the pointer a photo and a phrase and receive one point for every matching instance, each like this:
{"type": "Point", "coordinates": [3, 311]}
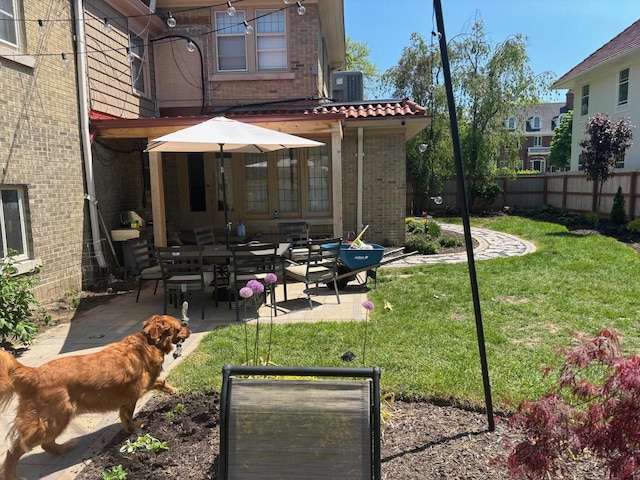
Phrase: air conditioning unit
{"type": "Point", "coordinates": [347, 87]}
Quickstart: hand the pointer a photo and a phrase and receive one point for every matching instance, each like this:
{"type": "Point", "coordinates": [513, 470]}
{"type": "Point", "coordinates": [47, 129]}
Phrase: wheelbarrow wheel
{"type": "Point", "coordinates": [343, 282]}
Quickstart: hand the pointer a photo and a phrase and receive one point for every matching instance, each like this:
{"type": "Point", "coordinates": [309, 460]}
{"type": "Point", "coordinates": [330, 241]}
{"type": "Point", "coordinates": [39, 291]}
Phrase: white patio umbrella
{"type": "Point", "coordinates": [220, 134]}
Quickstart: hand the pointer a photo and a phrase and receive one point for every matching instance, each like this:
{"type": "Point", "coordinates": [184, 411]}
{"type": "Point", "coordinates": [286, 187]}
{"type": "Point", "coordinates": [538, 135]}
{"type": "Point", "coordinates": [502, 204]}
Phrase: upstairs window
{"type": "Point", "coordinates": [511, 123]}
{"type": "Point", "coordinates": [584, 100]}
{"type": "Point", "coordinates": [231, 40]}
{"type": "Point", "coordinates": [271, 41]}
{"type": "Point", "coordinates": [537, 141]}
{"type": "Point", "coordinates": [8, 23]}
{"type": "Point", "coordinates": [536, 123]}
{"type": "Point", "coordinates": [139, 64]}
{"type": "Point", "coordinates": [623, 87]}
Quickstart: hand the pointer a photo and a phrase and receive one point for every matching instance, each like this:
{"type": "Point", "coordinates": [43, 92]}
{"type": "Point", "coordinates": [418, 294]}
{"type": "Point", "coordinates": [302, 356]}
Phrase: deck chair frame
{"type": "Point", "coordinates": [246, 406]}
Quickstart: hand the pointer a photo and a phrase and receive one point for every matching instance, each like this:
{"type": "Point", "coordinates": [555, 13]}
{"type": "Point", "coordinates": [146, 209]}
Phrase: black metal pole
{"type": "Point", "coordinates": [462, 192]}
{"type": "Point", "coordinates": [227, 228]}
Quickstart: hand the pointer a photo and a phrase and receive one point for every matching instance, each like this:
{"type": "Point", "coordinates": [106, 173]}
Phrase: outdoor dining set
{"type": "Point", "coordinates": [192, 269]}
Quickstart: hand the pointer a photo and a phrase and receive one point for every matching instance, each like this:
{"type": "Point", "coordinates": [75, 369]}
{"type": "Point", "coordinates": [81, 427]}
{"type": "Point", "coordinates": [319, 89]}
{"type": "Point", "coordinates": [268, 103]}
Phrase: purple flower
{"type": "Point", "coordinates": [368, 305]}
{"type": "Point", "coordinates": [270, 278]}
{"type": "Point", "coordinates": [256, 287]}
{"type": "Point", "coordinates": [246, 292]}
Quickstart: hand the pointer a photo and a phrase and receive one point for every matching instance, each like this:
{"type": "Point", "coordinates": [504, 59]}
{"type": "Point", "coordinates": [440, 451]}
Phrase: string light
{"type": "Point", "coordinates": [286, 2]}
{"type": "Point", "coordinates": [107, 26]}
{"type": "Point", "coordinates": [65, 60]}
{"type": "Point", "coordinates": [231, 10]}
{"type": "Point", "coordinates": [41, 25]}
{"type": "Point", "coordinates": [171, 22]}
{"type": "Point", "coordinates": [191, 47]}
{"type": "Point", "coordinates": [301, 8]}
{"type": "Point", "coordinates": [130, 56]}
{"type": "Point", "coordinates": [248, 29]}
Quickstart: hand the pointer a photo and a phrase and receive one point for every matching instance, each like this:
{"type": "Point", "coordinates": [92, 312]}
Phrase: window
{"type": "Point", "coordinates": [13, 235]}
{"type": "Point", "coordinates": [318, 179]}
{"type": "Point", "coordinates": [139, 64]}
{"type": "Point", "coordinates": [584, 100]}
{"type": "Point", "coordinates": [537, 164]}
{"type": "Point", "coordinates": [536, 123]}
{"type": "Point", "coordinates": [511, 123]}
{"type": "Point", "coordinates": [271, 41]}
{"type": "Point", "coordinates": [231, 40]}
{"type": "Point", "coordinates": [287, 166]}
{"type": "Point", "coordinates": [256, 178]}
{"type": "Point", "coordinates": [537, 141]}
{"type": "Point", "coordinates": [8, 23]}
{"type": "Point", "coordinates": [225, 189]}
{"type": "Point", "coordinates": [623, 87]}
{"type": "Point", "coordinates": [197, 186]}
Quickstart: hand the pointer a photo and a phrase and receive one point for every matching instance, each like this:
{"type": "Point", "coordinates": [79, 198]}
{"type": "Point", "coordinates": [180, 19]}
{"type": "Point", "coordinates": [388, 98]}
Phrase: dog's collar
{"type": "Point", "coordinates": [151, 341]}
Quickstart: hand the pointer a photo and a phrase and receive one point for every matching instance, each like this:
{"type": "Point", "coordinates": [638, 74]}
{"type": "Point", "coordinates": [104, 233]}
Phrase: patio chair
{"type": "Point", "coordinates": [321, 266]}
{"type": "Point", "coordinates": [182, 273]}
{"type": "Point", "coordinates": [254, 262]}
{"type": "Point", "coordinates": [146, 265]}
{"type": "Point", "coordinates": [219, 266]}
{"type": "Point", "coordinates": [325, 425]}
{"type": "Point", "coordinates": [297, 234]}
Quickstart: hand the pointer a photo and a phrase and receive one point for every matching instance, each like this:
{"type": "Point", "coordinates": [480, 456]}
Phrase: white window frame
{"type": "Point", "coordinates": [270, 50]}
{"type": "Point", "coordinates": [233, 29]}
{"type": "Point", "coordinates": [538, 160]}
{"type": "Point", "coordinates": [510, 123]}
{"type": "Point", "coordinates": [623, 88]}
{"type": "Point", "coordinates": [12, 24]}
{"type": "Point", "coordinates": [536, 123]}
{"type": "Point", "coordinates": [537, 141]}
{"type": "Point", "coordinates": [24, 255]}
{"type": "Point", "coordinates": [584, 100]}
{"type": "Point", "coordinates": [142, 60]}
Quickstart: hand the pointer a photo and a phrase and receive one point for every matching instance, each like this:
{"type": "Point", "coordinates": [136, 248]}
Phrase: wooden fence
{"type": "Point", "coordinates": [565, 190]}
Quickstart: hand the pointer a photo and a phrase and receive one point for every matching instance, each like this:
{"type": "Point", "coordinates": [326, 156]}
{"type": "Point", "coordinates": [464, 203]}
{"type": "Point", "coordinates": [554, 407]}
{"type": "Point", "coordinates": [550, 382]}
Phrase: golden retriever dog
{"type": "Point", "coordinates": [50, 395]}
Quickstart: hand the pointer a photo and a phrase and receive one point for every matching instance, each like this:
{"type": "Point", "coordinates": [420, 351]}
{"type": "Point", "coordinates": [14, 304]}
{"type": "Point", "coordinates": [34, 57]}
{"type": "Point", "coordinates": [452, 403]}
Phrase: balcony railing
{"type": "Point", "coordinates": [538, 150]}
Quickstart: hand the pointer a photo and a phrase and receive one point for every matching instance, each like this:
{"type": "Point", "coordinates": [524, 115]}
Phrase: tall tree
{"type": "Point", "coordinates": [490, 82]}
{"type": "Point", "coordinates": [358, 60]}
{"type": "Point", "coordinates": [560, 149]}
{"type": "Point", "coordinates": [606, 145]}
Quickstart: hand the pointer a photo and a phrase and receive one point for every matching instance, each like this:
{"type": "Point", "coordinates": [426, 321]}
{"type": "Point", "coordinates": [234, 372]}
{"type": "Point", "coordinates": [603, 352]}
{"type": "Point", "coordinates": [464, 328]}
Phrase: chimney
{"type": "Point", "coordinates": [569, 101]}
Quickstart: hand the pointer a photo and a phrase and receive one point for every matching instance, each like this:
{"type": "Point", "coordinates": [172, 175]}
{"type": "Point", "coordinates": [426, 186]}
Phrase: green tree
{"type": "Point", "coordinates": [358, 60]}
{"type": "Point", "coordinates": [606, 145]}
{"type": "Point", "coordinates": [560, 149]}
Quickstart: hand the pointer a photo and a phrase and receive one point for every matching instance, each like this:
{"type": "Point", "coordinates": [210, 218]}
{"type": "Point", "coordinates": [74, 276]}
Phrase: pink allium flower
{"type": "Point", "coordinates": [246, 292]}
{"type": "Point", "coordinates": [270, 278]}
{"type": "Point", "coordinates": [368, 305]}
{"type": "Point", "coordinates": [256, 287]}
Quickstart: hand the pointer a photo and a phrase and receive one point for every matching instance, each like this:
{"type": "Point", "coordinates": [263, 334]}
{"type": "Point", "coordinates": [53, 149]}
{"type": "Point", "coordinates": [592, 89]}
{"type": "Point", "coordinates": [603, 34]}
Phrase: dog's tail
{"type": "Point", "coordinates": [8, 364]}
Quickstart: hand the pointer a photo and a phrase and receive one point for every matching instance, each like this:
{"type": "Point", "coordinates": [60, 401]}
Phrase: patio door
{"type": "Point", "coordinates": [198, 202]}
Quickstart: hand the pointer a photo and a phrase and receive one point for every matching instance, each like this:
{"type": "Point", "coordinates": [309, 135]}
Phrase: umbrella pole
{"type": "Point", "coordinates": [227, 227]}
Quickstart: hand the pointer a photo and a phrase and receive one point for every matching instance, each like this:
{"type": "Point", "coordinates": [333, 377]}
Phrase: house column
{"type": "Point", "coordinates": [336, 181]}
{"type": "Point", "coordinates": [157, 199]}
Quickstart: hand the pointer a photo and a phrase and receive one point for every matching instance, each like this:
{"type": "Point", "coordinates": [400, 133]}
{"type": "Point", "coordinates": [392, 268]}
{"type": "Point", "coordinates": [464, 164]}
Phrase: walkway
{"type": "Point", "coordinates": [93, 329]}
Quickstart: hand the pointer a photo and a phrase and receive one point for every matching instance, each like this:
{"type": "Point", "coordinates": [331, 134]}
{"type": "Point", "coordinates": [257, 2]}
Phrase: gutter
{"type": "Point", "coordinates": [81, 71]}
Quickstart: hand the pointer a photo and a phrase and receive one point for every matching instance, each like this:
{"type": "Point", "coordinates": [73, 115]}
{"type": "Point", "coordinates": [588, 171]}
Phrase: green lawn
{"type": "Point", "coordinates": [425, 339]}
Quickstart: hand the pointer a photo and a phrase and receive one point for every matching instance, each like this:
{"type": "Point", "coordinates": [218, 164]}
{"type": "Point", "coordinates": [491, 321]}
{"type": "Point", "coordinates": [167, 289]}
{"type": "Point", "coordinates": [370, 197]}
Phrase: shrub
{"type": "Point", "coordinates": [114, 473]}
{"type": "Point", "coordinates": [595, 405]}
{"type": "Point", "coordinates": [416, 226]}
{"type": "Point", "coordinates": [16, 303]}
{"type": "Point", "coordinates": [433, 229]}
{"type": "Point", "coordinates": [450, 242]}
{"type": "Point", "coordinates": [618, 215]}
{"type": "Point", "coordinates": [546, 208]}
{"type": "Point", "coordinates": [634, 225]}
{"type": "Point", "coordinates": [422, 244]}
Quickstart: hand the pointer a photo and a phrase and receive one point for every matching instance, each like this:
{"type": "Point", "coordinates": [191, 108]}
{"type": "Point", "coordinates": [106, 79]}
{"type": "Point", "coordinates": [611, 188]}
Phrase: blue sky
{"type": "Point", "coordinates": [561, 33]}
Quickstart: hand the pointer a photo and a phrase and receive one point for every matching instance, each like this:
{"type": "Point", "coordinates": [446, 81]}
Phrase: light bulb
{"type": "Point", "coordinates": [130, 56]}
{"type": "Point", "coordinates": [191, 47]}
{"type": "Point", "coordinates": [437, 200]}
{"type": "Point", "coordinates": [231, 10]}
{"type": "Point", "coordinates": [248, 29]}
{"type": "Point", "coordinates": [41, 25]}
{"type": "Point", "coordinates": [65, 60]}
{"type": "Point", "coordinates": [423, 147]}
{"type": "Point", "coordinates": [287, 2]}
{"type": "Point", "coordinates": [301, 9]}
{"type": "Point", "coordinates": [171, 22]}
{"type": "Point", "coordinates": [107, 26]}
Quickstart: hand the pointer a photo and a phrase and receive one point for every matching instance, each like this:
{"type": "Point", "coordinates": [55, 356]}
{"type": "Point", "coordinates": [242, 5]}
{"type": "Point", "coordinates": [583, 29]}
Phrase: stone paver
{"type": "Point", "coordinates": [93, 329]}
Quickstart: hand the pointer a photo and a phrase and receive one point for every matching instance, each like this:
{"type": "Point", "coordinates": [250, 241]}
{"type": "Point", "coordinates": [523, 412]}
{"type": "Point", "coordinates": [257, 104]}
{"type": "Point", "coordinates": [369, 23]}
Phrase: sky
{"type": "Point", "coordinates": [560, 33]}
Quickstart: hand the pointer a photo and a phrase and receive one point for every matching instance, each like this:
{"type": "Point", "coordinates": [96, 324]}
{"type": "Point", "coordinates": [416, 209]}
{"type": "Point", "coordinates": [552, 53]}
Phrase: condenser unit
{"type": "Point", "coordinates": [347, 86]}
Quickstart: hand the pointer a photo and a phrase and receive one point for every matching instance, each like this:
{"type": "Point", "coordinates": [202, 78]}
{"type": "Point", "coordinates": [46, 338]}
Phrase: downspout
{"type": "Point", "coordinates": [360, 180]}
{"type": "Point", "coordinates": [81, 70]}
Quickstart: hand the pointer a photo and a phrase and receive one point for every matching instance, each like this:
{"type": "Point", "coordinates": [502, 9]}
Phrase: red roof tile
{"type": "Point", "coordinates": [625, 41]}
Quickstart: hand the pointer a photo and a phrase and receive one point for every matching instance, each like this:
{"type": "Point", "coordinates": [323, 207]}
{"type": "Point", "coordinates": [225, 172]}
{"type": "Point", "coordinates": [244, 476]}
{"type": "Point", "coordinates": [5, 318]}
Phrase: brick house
{"type": "Point", "coordinates": [84, 97]}
{"type": "Point", "coordinates": [42, 206]}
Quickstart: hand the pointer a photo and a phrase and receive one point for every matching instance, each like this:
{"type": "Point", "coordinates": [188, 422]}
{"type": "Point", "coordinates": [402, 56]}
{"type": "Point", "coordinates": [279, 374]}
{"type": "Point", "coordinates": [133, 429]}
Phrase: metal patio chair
{"type": "Point", "coordinates": [146, 265]}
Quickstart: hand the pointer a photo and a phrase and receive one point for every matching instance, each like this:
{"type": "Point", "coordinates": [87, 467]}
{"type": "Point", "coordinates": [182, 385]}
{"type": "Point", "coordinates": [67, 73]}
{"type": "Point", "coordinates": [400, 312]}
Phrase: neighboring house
{"type": "Point", "coordinates": [266, 64]}
{"type": "Point", "coordinates": [536, 125]}
{"type": "Point", "coordinates": [607, 81]}
{"type": "Point", "coordinates": [42, 206]}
